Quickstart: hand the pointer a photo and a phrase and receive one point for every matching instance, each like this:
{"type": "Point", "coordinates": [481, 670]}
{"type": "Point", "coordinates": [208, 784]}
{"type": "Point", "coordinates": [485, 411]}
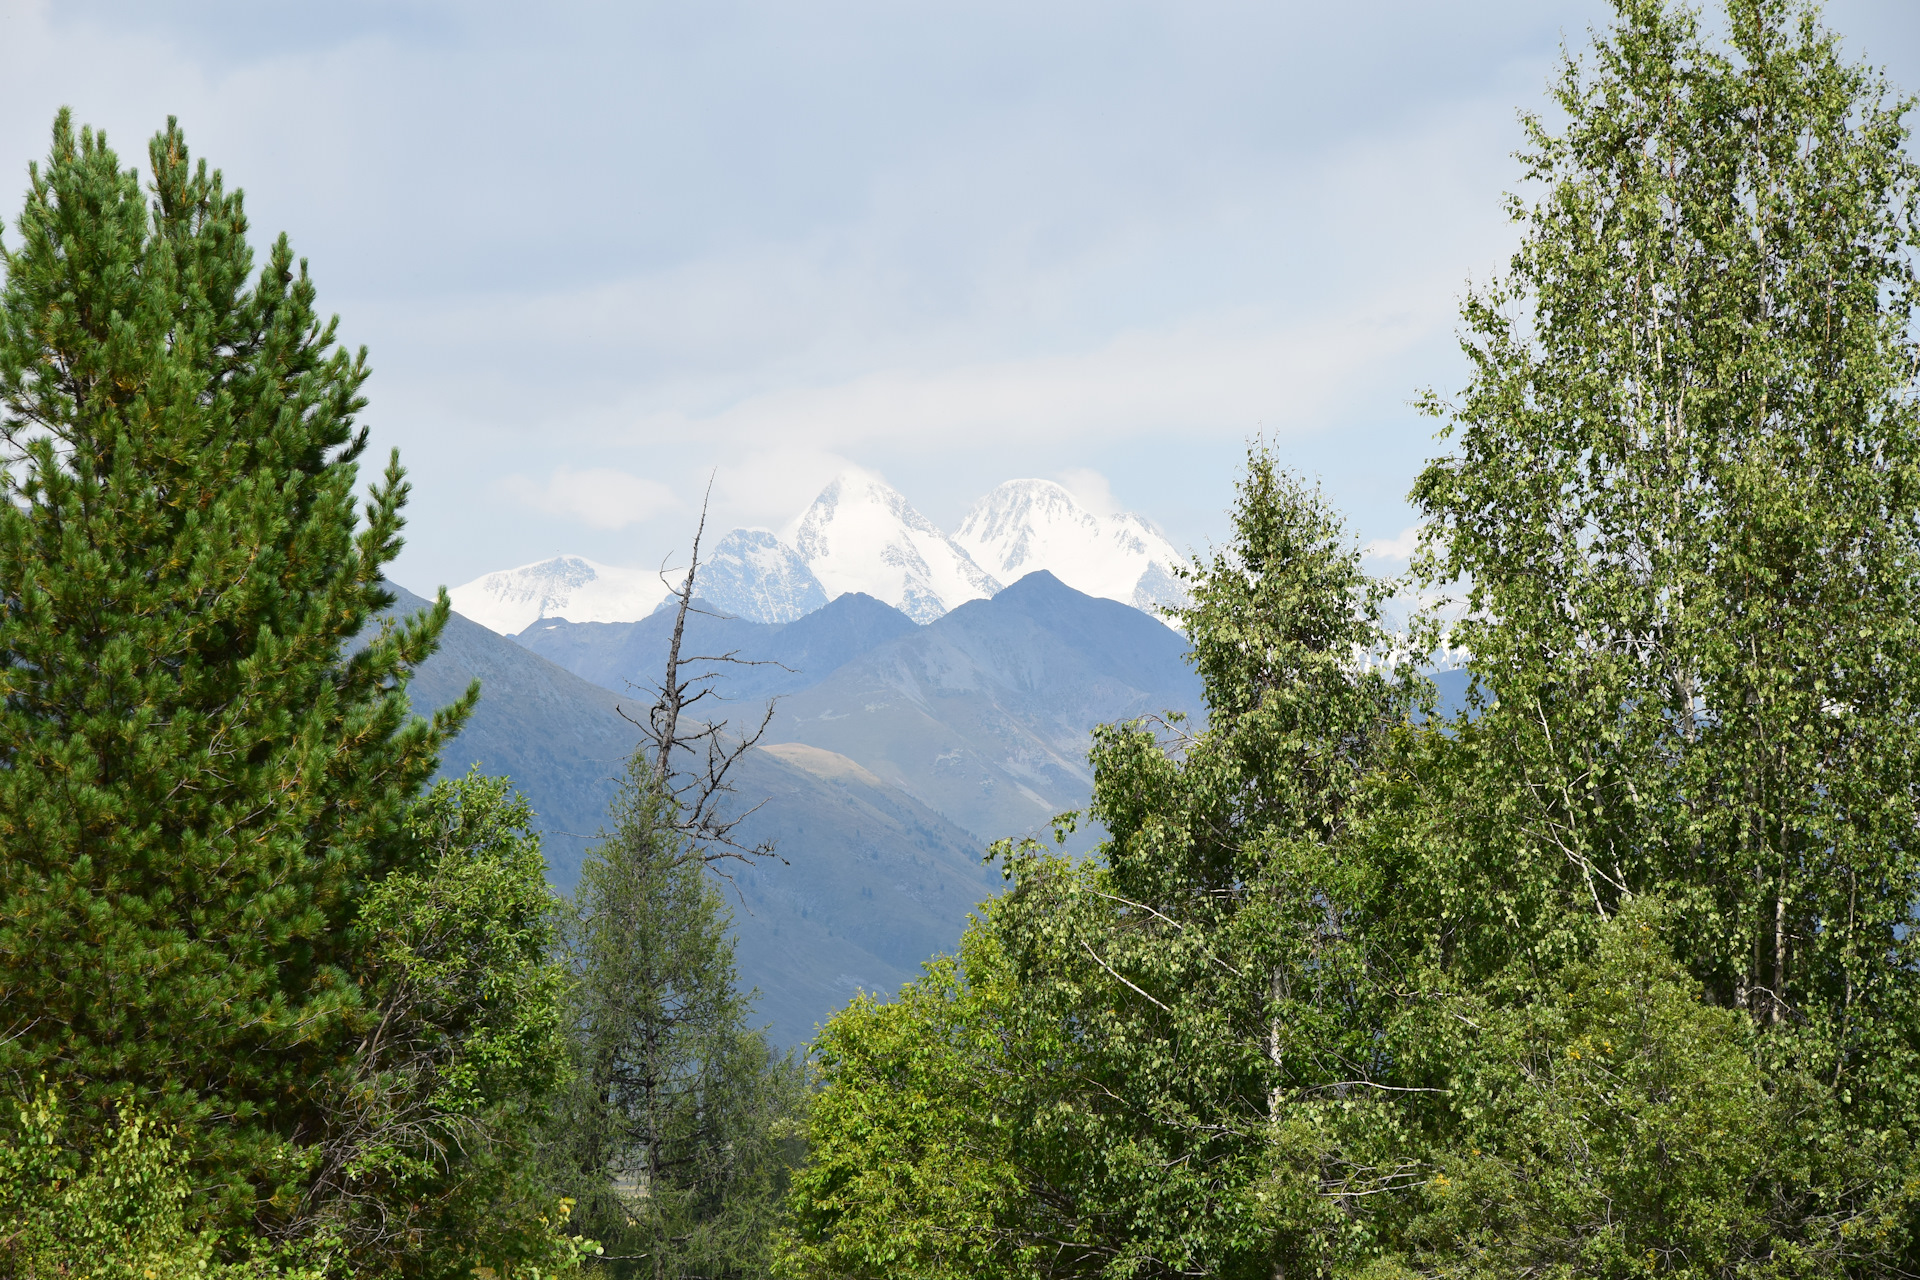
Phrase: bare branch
{"type": "Point", "coordinates": [693, 758]}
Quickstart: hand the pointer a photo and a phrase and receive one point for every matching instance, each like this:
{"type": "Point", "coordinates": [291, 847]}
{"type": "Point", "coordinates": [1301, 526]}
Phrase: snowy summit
{"type": "Point", "coordinates": [860, 535]}
{"type": "Point", "coordinates": [755, 576]}
{"type": "Point", "coordinates": [1024, 525]}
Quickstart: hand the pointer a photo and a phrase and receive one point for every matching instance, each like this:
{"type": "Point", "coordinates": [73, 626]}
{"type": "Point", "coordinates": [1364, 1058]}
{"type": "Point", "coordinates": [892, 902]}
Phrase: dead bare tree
{"type": "Point", "coordinates": [694, 755]}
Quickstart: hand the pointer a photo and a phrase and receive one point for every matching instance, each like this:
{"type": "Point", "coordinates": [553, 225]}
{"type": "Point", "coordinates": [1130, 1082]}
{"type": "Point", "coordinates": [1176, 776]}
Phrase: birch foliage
{"type": "Point", "coordinates": [1613, 974]}
{"type": "Point", "coordinates": [1685, 494]}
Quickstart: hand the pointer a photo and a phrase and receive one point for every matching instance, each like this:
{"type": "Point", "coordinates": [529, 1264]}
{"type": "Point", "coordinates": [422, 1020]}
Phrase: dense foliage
{"type": "Point", "coordinates": [1094, 1083]}
{"type": "Point", "coordinates": [240, 966]}
{"type": "Point", "coordinates": [1612, 974]}
{"type": "Point", "coordinates": [674, 1136]}
{"type": "Point", "coordinates": [433, 1121]}
{"type": "Point", "coordinates": [114, 1205]}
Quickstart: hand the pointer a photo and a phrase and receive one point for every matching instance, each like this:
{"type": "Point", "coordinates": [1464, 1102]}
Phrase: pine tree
{"type": "Point", "coordinates": [199, 773]}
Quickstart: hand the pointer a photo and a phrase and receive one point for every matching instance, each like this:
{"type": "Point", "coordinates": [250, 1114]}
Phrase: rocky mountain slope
{"type": "Point", "coordinates": [775, 659]}
{"type": "Point", "coordinates": [753, 575]}
{"type": "Point", "coordinates": [985, 714]}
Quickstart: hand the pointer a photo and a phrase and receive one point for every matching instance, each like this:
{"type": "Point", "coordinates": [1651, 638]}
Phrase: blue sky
{"type": "Point", "coordinates": [598, 250]}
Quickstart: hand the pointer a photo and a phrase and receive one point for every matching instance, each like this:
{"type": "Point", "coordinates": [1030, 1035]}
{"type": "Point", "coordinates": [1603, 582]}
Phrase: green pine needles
{"type": "Point", "coordinates": [199, 772]}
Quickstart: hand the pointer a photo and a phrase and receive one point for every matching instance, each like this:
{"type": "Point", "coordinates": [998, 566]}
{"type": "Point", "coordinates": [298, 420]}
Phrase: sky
{"type": "Point", "coordinates": [601, 253]}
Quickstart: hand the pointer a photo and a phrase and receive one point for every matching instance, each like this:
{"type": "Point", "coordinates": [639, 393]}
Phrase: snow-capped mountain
{"type": "Point", "coordinates": [754, 575]}
{"type": "Point", "coordinates": [569, 587]}
{"type": "Point", "coordinates": [860, 535]}
{"type": "Point", "coordinates": [1024, 525]}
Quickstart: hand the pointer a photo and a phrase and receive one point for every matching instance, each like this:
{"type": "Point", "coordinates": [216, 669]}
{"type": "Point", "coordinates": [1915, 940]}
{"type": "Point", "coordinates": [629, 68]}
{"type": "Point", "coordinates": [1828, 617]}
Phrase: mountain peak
{"type": "Point", "coordinates": [753, 574]}
{"type": "Point", "coordinates": [861, 534]}
{"type": "Point", "coordinates": [1025, 525]}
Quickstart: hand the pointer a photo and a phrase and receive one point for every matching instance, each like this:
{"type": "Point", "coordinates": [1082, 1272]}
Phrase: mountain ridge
{"type": "Point", "coordinates": [983, 715]}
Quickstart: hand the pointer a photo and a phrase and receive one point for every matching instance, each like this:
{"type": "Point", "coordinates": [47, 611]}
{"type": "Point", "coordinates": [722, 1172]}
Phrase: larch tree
{"type": "Point", "coordinates": [675, 1136]}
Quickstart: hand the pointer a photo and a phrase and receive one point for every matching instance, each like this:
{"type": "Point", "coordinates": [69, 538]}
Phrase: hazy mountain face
{"type": "Point", "coordinates": [776, 658]}
{"type": "Point", "coordinates": [983, 715]}
{"type": "Point", "coordinates": [754, 575]}
{"type": "Point", "coordinates": [1029, 525]}
{"type": "Point", "coordinates": [860, 535]}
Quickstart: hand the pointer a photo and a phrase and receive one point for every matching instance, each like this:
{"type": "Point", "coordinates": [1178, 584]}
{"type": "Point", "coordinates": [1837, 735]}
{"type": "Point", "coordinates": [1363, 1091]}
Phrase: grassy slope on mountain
{"type": "Point", "coordinates": [875, 881]}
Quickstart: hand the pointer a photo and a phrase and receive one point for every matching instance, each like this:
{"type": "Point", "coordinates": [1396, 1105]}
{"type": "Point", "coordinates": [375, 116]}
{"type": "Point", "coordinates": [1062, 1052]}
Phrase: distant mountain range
{"type": "Point", "coordinates": [898, 750]}
{"type": "Point", "coordinates": [859, 536]}
{"type": "Point", "coordinates": [983, 714]}
{"type": "Point", "coordinates": [874, 883]}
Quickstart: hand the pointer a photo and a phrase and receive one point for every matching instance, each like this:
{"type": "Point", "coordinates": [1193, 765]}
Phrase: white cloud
{"type": "Point", "coordinates": [1399, 548]}
{"type": "Point", "coordinates": [598, 497]}
{"type": "Point", "coordinates": [959, 241]}
{"type": "Point", "coordinates": [1225, 373]}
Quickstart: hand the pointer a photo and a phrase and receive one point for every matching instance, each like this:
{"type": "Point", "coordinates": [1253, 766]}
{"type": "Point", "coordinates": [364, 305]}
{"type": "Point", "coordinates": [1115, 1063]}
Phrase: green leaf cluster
{"type": "Point", "coordinates": [1610, 975]}
{"type": "Point", "coordinates": [909, 1165]}
{"type": "Point", "coordinates": [117, 1209]}
{"type": "Point", "coordinates": [432, 1123]}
